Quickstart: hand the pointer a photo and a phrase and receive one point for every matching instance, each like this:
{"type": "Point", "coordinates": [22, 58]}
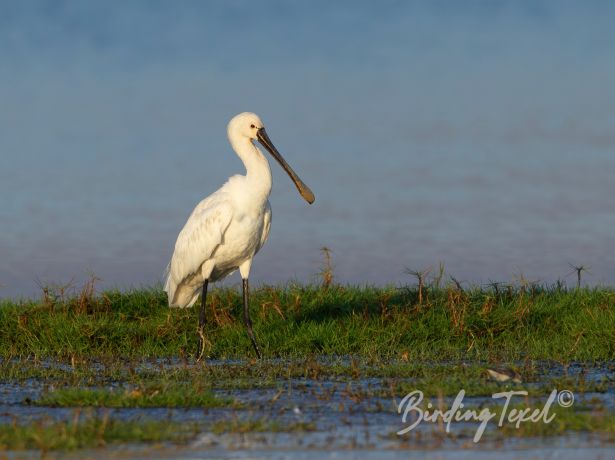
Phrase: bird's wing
{"type": "Point", "coordinates": [202, 234]}
{"type": "Point", "coordinates": [266, 225]}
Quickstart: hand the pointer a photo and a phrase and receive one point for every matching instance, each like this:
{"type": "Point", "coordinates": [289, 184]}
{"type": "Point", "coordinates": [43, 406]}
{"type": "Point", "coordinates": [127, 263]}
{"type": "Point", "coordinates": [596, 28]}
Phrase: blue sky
{"type": "Point", "coordinates": [477, 134]}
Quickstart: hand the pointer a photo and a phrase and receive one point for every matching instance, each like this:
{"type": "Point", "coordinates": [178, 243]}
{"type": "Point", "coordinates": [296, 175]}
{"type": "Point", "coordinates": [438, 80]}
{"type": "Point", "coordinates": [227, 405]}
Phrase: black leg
{"type": "Point", "coordinates": [201, 346]}
{"type": "Point", "coordinates": [246, 316]}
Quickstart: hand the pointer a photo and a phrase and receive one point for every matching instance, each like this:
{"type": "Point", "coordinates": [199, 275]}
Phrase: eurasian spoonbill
{"type": "Point", "coordinates": [227, 228]}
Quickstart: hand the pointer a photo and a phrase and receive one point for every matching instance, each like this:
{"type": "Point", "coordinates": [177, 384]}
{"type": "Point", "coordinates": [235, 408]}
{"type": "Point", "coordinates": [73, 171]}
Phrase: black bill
{"type": "Point", "coordinates": [304, 190]}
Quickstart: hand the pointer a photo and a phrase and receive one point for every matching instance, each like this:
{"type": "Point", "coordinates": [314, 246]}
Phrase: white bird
{"type": "Point", "coordinates": [227, 228]}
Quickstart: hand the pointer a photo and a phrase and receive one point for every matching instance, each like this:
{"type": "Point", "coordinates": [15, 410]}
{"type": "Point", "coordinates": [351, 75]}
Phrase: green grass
{"type": "Point", "coordinates": [563, 422]}
{"type": "Point", "coordinates": [94, 432]}
{"type": "Point", "coordinates": [259, 425]}
{"type": "Point", "coordinates": [90, 433]}
{"type": "Point", "coordinates": [566, 421]}
{"type": "Point", "coordinates": [192, 386]}
{"type": "Point", "coordinates": [169, 395]}
{"type": "Point", "coordinates": [296, 321]}
{"type": "Point", "coordinates": [128, 349]}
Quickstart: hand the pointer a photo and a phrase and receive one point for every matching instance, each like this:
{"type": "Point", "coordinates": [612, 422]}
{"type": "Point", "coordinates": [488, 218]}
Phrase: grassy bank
{"type": "Point", "coordinates": [408, 323]}
{"type": "Point", "coordinates": [354, 350]}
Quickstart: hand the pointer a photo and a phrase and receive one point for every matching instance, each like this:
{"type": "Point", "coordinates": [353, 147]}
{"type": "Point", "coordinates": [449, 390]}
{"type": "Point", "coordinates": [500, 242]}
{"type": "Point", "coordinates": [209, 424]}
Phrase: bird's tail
{"type": "Point", "coordinates": [169, 285]}
{"type": "Point", "coordinates": [179, 296]}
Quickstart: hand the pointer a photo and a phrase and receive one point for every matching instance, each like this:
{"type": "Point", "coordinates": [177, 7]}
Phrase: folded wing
{"type": "Point", "coordinates": [202, 234]}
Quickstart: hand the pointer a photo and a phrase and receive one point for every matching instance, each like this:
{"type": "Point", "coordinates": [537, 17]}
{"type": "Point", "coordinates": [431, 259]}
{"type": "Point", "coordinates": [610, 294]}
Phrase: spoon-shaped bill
{"type": "Point", "coordinates": [304, 190]}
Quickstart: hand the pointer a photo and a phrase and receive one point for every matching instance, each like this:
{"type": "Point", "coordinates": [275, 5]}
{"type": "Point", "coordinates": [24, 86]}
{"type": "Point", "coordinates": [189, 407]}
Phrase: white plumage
{"type": "Point", "coordinates": [203, 246]}
{"type": "Point", "coordinates": [227, 228]}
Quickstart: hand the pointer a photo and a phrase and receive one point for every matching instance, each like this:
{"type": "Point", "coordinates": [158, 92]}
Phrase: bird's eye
{"type": "Point", "coordinates": [252, 126]}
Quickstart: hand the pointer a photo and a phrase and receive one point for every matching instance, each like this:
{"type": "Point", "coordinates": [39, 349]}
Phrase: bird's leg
{"type": "Point", "coordinates": [199, 331]}
{"type": "Point", "coordinates": [246, 316]}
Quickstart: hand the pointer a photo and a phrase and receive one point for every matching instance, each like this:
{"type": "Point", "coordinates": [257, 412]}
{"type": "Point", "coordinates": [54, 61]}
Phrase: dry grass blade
{"type": "Point", "coordinates": [420, 276]}
{"type": "Point", "coordinates": [579, 269]}
{"type": "Point", "coordinates": [326, 273]}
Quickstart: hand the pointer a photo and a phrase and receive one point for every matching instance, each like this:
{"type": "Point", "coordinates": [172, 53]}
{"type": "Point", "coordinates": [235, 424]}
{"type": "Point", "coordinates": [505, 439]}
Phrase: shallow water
{"type": "Point", "coordinates": [349, 418]}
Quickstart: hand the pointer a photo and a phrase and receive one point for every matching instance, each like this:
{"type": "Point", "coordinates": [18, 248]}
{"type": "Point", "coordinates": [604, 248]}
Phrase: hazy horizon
{"type": "Point", "coordinates": [476, 134]}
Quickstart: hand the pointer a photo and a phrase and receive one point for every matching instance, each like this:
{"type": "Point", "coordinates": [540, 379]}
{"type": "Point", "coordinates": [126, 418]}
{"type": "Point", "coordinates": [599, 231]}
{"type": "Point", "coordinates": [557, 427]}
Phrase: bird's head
{"type": "Point", "coordinates": [246, 124]}
{"type": "Point", "coordinates": [249, 125]}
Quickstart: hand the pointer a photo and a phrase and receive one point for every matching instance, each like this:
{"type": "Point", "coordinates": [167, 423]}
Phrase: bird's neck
{"type": "Point", "coordinates": [258, 173]}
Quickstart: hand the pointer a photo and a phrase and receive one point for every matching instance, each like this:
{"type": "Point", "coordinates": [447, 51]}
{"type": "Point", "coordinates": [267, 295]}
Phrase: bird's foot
{"type": "Point", "coordinates": [200, 351]}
